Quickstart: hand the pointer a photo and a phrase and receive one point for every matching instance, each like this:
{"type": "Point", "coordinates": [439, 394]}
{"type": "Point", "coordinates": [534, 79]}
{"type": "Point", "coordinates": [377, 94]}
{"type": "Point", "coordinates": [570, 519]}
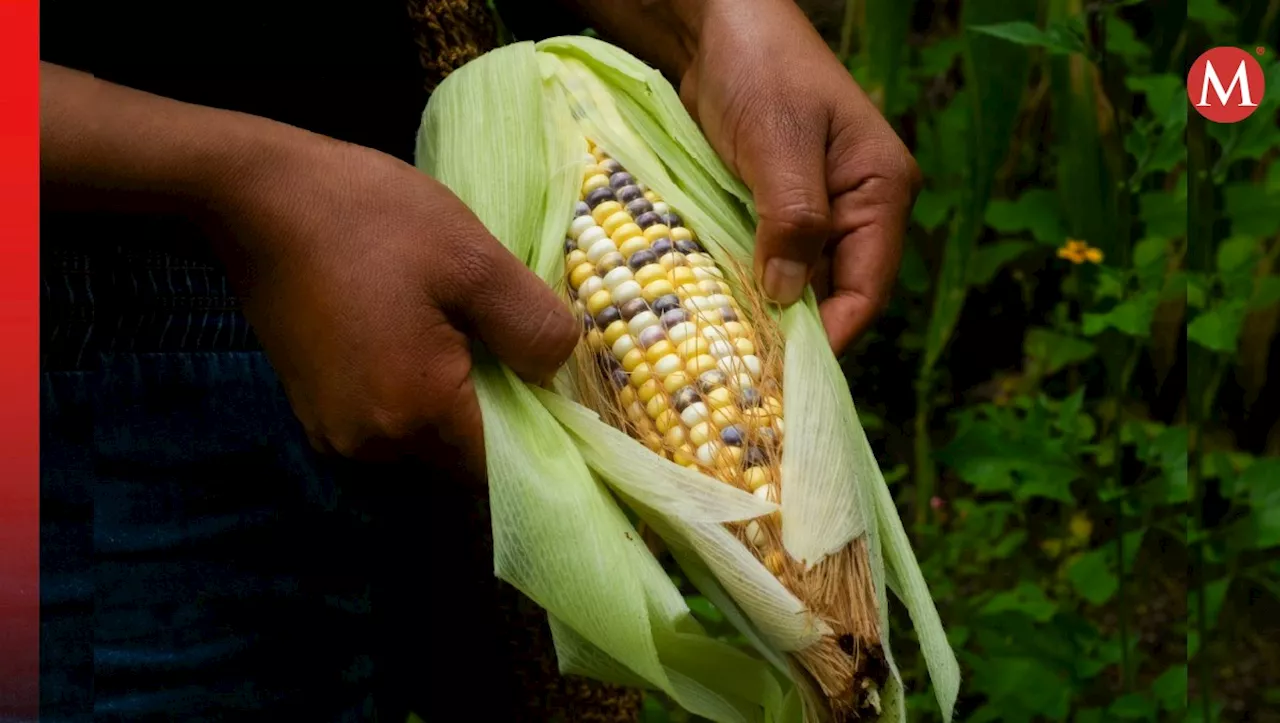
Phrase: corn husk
{"type": "Point", "coordinates": [506, 133]}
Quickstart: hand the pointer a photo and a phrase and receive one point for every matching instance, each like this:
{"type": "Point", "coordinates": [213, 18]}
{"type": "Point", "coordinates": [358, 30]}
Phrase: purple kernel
{"type": "Point", "coordinates": [570, 245]}
{"type": "Point", "coordinates": [666, 303]}
{"type": "Point", "coordinates": [607, 316]}
{"type": "Point", "coordinates": [662, 246]}
{"type": "Point", "coordinates": [641, 258]}
{"type": "Point", "coordinates": [684, 397]}
{"type": "Point", "coordinates": [710, 380]}
{"type": "Point", "coordinates": [645, 220]}
{"type": "Point", "coordinates": [673, 317]}
{"type": "Point", "coordinates": [587, 322]}
{"type": "Point", "coordinates": [750, 398]}
{"type": "Point", "coordinates": [630, 194]}
{"type": "Point", "coordinates": [599, 196]}
{"type": "Point", "coordinates": [754, 457]}
{"type": "Point", "coordinates": [651, 335]}
{"type": "Point", "coordinates": [767, 436]}
{"type": "Point", "coordinates": [728, 314]}
{"type": "Point", "coordinates": [619, 179]}
{"type": "Point", "coordinates": [672, 220]}
{"type": "Point", "coordinates": [733, 435]}
{"type": "Point", "coordinates": [633, 307]}
{"type": "Point", "coordinates": [638, 206]}
{"type": "Point", "coordinates": [581, 209]}
{"type": "Point", "coordinates": [685, 246]}
{"type": "Point", "coordinates": [610, 165]}
{"type": "Point", "coordinates": [620, 377]}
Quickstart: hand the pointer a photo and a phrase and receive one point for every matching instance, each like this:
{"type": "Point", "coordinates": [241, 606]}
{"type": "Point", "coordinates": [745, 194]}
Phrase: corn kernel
{"type": "Point", "coordinates": [597, 181]}
{"type": "Point", "coordinates": [728, 459]}
{"type": "Point", "coordinates": [614, 331]}
{"type": "Point", "coordinates": [579, 225]}
{"type": "Point", "coordinates": [681, 276]}
{"type": "Point", "coordinates": [719, 397]}
{"type": "Point", "coordinates": [700, 364]}
{"type": "Point", "coordinates": [672, 260]}
{"type": "Point", "coordinates": [693, 414]}
{"type": "Point", "coordinates": [755, 533]}
{"type": "Point", "coordinates": [693, 347]}
{"type": "Point", "coordinates": [652, 196]}
{"type": "Point", "coordinates": [623, 346]}
{"type": "Point", "coordinates": [684, 456]}
{"type": "Point", "coordinates": [617, 276]}
{"type": "Point", "coordinates": [702, 273]}
{"type": "Point", "coordinates": [774, 405]}
{"type": "Point", "coordinates": [615, 222]}
{"type": "Point", "coordinates": [656, 231]}
{"type": "Point", "coordinates": [754, 367]}
{"type": "Point", "coordinates": [626, 232]}
{"type": "Point", "coordinates": [590, 286]}
{"type": "Point", "coordinates": [720, 348]}
{"type": "Point", "coordinates": [655, 406]}
{"type": "Point", "coordinates": [668, 365]}
{"type": "Point", "coordinates": [648, 390]}
{"type": "Point", "coordinates": [626, 291]}
{"type": "Point", "coordinates": [675, 382]}
{"type": "Point", "coordinates": [642, 321]}
{"type": "Point", "coordinates": [667, 421]}
{"type": "Point", "coordinates": [710, 288]}
{"type": "Point", "coordinates": [633, 245]}
{"type": "Point", "coordinates": [681, 233]}
{"type": "Point", "coordinates": [575, 257]}
{"type": "Point", "coordinates": [774, 562]}
{"type": "Point", "coordinates": [682, 331]}
{"type": "Point", "coordinates": [595, 340]}
{"type": "Point", "coordinates": [650, 273]}
{"type": "Point", "coordinates": [744, 347]}
{"type": "Point", "coordinates": [627, 396]}
{"type": "Point", "coordinates": [632, 358]}
{"type": "Point", "coordinates": [757, 477]}
{"type": "Point", "coordinates": [768, 493]}
{"type": "Point", "coordinates": [658, 350]}
{"type": "Point", "coordinates": [757, 417]}
{"type": "Point", "coordinates": [598, 301]}
{"type": "Point", "coordinates": [735, 329]}
{"type": "Point", "coordinates": [635, 413]}
{"type": "Point", "coordinates": [725, 416]}
{"type": "Point", "coordinates": [641, 374]}
{"type": "Point", "coordinates": [700, 432]}
{"type": "Point", "coordinates": [602, 212]}
{"type": "Point", "coordinates": [658, 288]}
{"type": "Point", "coordinates": [590, 237]}
{"type": "Point", "coordinates": [599, 249]}
{"type": "Point", "coordinates": [674, 436]}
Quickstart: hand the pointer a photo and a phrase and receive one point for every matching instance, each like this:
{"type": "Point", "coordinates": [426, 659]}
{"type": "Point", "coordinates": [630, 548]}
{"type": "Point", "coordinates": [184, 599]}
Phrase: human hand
{"type": "Point", "coordinates": [364, 280]}
{"type": "Point", "coordinates": [832, 183]}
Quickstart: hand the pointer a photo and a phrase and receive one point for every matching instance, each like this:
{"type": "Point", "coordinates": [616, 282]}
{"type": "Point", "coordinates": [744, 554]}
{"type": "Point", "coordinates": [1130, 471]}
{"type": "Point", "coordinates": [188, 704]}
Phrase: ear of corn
{"type": "Point", "coordinates": [702, 461]}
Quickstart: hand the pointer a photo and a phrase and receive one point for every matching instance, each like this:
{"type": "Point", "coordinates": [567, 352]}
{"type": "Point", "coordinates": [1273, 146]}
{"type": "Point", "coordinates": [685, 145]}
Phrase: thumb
{"type": "Point", "coordinates": [516, 314]}
{"type": "Point", "coordinates": [783, 162]}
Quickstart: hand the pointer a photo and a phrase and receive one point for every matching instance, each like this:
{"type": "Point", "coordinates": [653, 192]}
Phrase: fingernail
{"type": "Point", "coordinates": [784, 280]}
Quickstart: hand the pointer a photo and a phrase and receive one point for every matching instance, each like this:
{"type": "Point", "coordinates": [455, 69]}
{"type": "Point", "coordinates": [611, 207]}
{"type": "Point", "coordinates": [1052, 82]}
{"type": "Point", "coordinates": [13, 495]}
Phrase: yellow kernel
{"type": "Point", "coordinates": [641, 374]}
{"type": "Point", "coordinates": [694, 347]}
{"type": "Point", "coordinates": [675, 436]}
{"type": "Point", "coordinates": [657, 289]}
{"type": "Point", "coordinates": [743, 346]}
{"type": "Point", "coordinates": [660, 348]}
{"type": "Point", "coordinates": [774, 562]}
{"type": "Point", "coordinates": [684, 455]}
{"type": "Point", "coordinates": [699, 364]}
{"type": "Point", "coordinates": [672, 260]}
{"type": "Point", "coordinates": [626, 232]}
{"type": "Point", "coordinates": [627, 396]}
{"type": "Point", "coordinates": [729, 458]}
{"type": "Point", "coordinates": [656, 231]}
{"type": "Point", "coordinates": [599, 301]}
{"type": "Point", "coordinates": [680, 276]}
{"type": "Point", "coordinates": [735, 329]}
{"type": "Point", "coordinates": [647, 390]}
{"type": "Point", "coordinates": [757, 417]}
{"type": "Point", "coordinates": [615, 222]}
{"type": "Point", "coordinates": [573, 258]}
{"type": "Point", "coordinates": [649, 274]}
{"type": "Point", "coordinates": [655, 406]}
{"type": "Point", "coordinates": [635, 412]}
{"type": "Point", "coordinates": [777, 426]}
{"type": "Point", "coordinates": [681, 233]}
{"type": "Point", "coordinates": [668, 420]}
{"type": "Point", "coordinates": [725, 416]}
{"type": "Point", "coordinates": [615, 331]}
{"type": "Point", "coordinates": [719, 397]}
{"type": "Point", "coordinates": [652, 196]}
{"type": "Point", "coordinates": [597, 181]}
{"type": "Point", "coordinates": [675, 382]}
{"type": "Point", "coordinates": [774, 405]}
{"type": "Point", "coordinates": [710, 287]}
{"type": "Point", "coordinates": [595, 340]}
{"type": "Point", "coordinates": [653, 441]}
{"type": "Point", "coordinates": [581, 273]}
{"type": "Point", "coordinates": [632, 359]}
{"type": "Point", "coordinates": [632, 245]}
{"type": "Point", "coordinates": [688, 291]}
{"type": "Point", "coordinates": [605, 210]}
{"type": "Point", "coordinates": [668, 365]}
{"type": "Point", "coordinates": [700, 434]}
{"type": "Point", "coordinates": [705, 316]}
{"type": "Point", "coordinates": [757, 477]}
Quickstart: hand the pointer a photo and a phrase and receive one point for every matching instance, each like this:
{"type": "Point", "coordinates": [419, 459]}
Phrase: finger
{"type": "Point", "coordinates": [865, 262]}
{"type": "Point", "coordinates": [517, 316]}
{"type": "Point", "coordinates": [783, 161]}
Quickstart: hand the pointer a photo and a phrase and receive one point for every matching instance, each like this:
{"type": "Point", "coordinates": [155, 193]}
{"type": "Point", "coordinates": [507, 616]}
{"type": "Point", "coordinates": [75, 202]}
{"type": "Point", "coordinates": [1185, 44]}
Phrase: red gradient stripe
{"type": "Point", "coordinates": [19, 360]}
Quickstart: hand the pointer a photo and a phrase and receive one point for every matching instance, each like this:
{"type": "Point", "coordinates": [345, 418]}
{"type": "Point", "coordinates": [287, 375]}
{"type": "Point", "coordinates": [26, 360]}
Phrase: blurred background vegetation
{"type": "Point", "coordinates": [1069, 394]}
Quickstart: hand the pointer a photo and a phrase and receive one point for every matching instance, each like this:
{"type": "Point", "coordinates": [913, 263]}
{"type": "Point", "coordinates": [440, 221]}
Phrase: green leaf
{"type": "Point", "coordinates": [1011, 455]}
{"type": "Point", "coordinates": [1036, 211]}
{"type": "Point", "coordinates": [1150, 261]}
{"type": "Point", "coordinates": [1123, 42]}
{"type": "Point", "coordinates": [1218, 328]}
{"type": "Point", "coordinates": [1163, 92]}
{"type": "Point", "coordinates": [913, 274]}
{"type": "Point", "coordinates": [933, 208]}
{"type": "Point", "coordinates": [702, 607]}
{"type": "Point", "coordinates": [1236, 253]}
{"type": "Point", "coordinates": [1266, 292]}
{"type": "Point", "coordinates": [1092, 577]}
{"type": "Point", "coordinates": [988, 259]}
{"type": "Point", "coordinates": [1055, 350]}
{"type": "Point", "coordinates": [1163, 213]}
{"type": "Point", "coordinates": [1134, 706]}
{"type": "Point", "coordinates": [1132, 316]}
{"type": "Point", "coordinates": [1029, 35]}
{"type": "Point", "coordinates": [1170, 688]}
{"type": "Point", "coordinates": [1027, 598]}
{"type": "Point", "coordinates": [1209, 11]}
{"type": "Point", "coordinates": [938, 57]}
{"type": "Point", "coordinates": [1170, 446]}
{"type": "Point", "coordinates": [1262, 481]}
{"type": "Point", "coordinates": [1252, 209]}
{"type": "Point", "coordinates": [1023, 684]}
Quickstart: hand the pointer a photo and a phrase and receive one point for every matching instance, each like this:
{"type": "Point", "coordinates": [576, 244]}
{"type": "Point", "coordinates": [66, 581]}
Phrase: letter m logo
{"type": "Point", "coordinates": [1234, 100]}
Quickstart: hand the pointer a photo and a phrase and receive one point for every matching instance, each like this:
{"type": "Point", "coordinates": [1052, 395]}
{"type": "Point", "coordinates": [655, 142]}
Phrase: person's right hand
{"type": "Point", "coordinates": [364, 279]}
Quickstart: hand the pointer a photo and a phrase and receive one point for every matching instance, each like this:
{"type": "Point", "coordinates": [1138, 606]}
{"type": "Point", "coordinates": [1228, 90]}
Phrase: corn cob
{"type": "Point", "coordinates": [673, 358]}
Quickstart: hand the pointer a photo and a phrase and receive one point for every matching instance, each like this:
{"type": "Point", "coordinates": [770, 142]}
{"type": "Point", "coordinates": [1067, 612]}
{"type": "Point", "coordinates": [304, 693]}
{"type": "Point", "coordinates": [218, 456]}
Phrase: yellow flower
{"type": "Point", "coordinates": [1081, 527]}
{"type": "Point", "coordinates": [1078, 252]}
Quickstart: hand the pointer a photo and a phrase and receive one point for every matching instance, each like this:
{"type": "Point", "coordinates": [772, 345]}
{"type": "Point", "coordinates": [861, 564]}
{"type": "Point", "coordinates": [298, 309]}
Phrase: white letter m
{"type": "Point", "coordinates": [1211, 76]}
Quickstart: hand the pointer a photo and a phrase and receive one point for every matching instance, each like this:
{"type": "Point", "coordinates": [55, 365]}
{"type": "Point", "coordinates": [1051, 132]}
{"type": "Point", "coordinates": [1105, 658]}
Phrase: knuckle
{"type": "Point", "coordinates": [799, 213]}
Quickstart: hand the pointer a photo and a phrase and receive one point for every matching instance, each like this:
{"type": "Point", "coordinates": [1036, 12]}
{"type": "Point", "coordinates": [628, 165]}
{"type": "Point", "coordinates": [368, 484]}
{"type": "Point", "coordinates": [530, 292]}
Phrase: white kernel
{"type": "Point", "coordinates": [768, 492]}
{"type": "Point", "coordinates": [755, 533]}
{"type": "Point", "coordinates": [580, 225]}
{"type": "Point", "coordinates": [661, 208]}
{"type": "Point", "coordinates": [599, 249]}
{"type": "Point", "coordinates": [694, 414]}
{"type": "Point", "coordinates": [706, 453]}
{"type": "Point", "coordinates": [701, 273]}
{"type": "Point", "coordinates": [753, 365]}
{"type": "Point", "coordinates": [624, 344]}
{"type": "Point", "coordinates": [697, 259]}
{"type": "Point", "coordinates": [588, 159]}
{"type": "Point", "coordinates": [716, 332]}
{"type": "Point", "coordinates": [721, 349]}
{"type": "Point", "coordinates": [732, 366]}
{"type": "Point", "coordinates": [590, 287]}
{"type": "Point", "coordinates": [590, 235]}
{"type": "Point", "coordinates": [642, 321]}
{"type": "Point", "coordinates": [682, 332]}
{"type": "Point", "coordinates": [626, 291]}
{"type": "Point", "coordinates": [617, 276]}
{"type": "Point", "coordinates": [716, 272]}
{"type": "Point", "coordinates": [697, 304]}
{"type": "Point", "coordinates": [745, 381]}
{"type": "Point", "coordinates": [668, 365]}
{"type": "Point", "coordinates": [718, 301]}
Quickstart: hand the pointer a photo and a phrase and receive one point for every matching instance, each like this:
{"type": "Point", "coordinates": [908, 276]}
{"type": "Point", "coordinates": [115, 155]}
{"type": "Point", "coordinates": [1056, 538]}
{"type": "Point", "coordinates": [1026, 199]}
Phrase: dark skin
{"type": "Point", "coordinates": [366, 280]}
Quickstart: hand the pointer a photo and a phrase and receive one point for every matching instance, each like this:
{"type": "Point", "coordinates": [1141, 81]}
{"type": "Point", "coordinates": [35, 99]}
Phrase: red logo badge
{"type": "Point", "coordinates": [1226, 84]}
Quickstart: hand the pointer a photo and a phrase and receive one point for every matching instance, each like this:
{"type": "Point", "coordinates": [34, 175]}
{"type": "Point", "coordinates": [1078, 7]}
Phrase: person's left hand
{"type": "Point", "coordinates": [832, 183]}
